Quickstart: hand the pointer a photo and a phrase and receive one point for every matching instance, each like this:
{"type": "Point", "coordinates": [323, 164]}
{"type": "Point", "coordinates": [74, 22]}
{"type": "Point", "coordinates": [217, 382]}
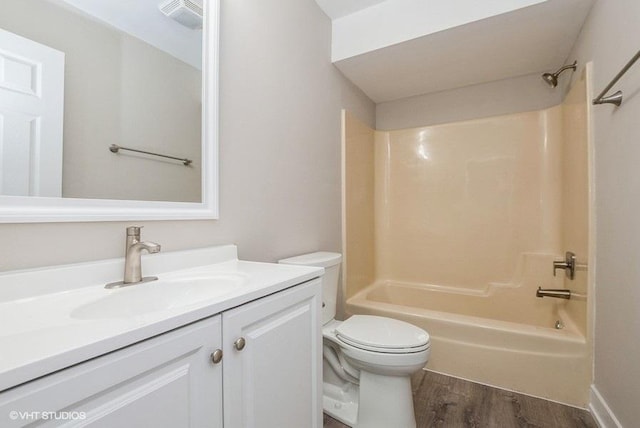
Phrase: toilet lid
{"type": "Point", "coordinates": [382, 334]}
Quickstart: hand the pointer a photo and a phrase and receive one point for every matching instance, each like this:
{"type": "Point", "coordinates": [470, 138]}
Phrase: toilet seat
{"type": "Point", "coordinates": [381, 334]}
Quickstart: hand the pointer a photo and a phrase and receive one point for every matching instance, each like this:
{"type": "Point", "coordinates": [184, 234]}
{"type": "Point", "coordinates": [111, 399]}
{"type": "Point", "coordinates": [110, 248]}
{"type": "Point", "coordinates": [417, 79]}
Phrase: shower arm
{"type": "Point", "coordinates": [566, 67]}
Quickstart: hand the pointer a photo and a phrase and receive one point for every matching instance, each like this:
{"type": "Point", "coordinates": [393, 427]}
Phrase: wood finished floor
{"type": "Point", "coordinates": [444, 401]}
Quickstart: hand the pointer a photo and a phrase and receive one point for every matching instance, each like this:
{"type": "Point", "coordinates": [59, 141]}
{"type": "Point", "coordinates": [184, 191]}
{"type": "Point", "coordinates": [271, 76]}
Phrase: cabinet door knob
{"type": "Point", "coordinates": [240, 343]}
{"type": "Point", "coordinates": [216, 357]}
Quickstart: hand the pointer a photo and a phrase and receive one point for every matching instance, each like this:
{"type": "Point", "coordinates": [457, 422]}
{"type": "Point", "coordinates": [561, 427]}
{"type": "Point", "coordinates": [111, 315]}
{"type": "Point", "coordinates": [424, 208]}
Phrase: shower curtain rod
{"type": "Point", "coordinates": [615, 98]}
{"type": "Point", "coordinates": [114, 148]}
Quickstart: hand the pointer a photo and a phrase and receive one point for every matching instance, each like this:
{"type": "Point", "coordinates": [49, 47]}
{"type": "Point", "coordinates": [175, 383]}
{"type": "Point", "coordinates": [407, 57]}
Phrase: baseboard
{"type": "Point", "coordinates": [601, 411]}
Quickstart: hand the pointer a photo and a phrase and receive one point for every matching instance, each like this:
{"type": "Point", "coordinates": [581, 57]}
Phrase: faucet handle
{"type": "Point", "coordinates": [134, 230]}
{"type": "Point", "coordinates": [568, 264]}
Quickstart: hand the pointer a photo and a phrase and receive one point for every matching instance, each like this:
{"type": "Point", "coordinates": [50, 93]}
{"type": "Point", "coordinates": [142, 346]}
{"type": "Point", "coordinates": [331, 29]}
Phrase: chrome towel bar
{"type": "Point", "coordinates": [114, 148]}
{"type": "Point", "coordinates": [615, 98]}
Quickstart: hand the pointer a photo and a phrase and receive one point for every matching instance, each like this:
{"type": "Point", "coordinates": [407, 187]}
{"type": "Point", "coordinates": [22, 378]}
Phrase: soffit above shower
{"type": "Point", "coordinates": [339, 8]}
{"type": "Point", "coordinates": [396, 49]}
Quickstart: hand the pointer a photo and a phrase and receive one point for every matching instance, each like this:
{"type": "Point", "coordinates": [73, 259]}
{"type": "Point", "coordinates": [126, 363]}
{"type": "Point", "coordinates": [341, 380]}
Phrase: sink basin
{"type": "Point", "coordinates": [164, 294]}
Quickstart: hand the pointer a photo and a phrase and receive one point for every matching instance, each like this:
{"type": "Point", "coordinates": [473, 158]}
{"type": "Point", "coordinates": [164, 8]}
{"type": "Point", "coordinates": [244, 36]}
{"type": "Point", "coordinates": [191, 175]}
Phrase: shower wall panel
{"type": "Point", "coordinates": [459, 204]}
{"type": "Point", "coordinates": [575, 196]}
{"type": "Point", "coordinates": [358, 205]}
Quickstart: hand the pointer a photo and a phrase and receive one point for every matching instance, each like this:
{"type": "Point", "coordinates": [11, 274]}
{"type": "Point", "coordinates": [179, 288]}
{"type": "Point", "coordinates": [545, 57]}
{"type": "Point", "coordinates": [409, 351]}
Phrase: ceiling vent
{"type": "Point", "coordinates": [186, 12]}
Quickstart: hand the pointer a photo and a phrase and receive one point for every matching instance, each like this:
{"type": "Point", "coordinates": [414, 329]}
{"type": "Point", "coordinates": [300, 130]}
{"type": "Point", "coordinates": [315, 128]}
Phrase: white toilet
{"type": "Point", "coordinates": [367, 360]}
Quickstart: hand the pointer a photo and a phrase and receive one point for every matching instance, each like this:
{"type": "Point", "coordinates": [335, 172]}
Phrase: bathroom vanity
{"type": "Point", "coordinates": [214, 342]}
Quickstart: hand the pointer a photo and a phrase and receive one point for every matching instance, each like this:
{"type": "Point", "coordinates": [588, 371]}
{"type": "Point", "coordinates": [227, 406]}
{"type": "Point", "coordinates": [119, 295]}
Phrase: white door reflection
{"type": "Point", "coordinates": [31, 117]}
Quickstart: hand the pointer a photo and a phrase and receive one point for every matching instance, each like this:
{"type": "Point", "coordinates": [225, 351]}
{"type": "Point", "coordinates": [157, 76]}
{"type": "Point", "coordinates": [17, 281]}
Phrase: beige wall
{"type": "Point", "coordinates": [519, 94]}
{"type": "Point", "coordinates": [608, 39]}
{"type": "Point", "coordinates": [280, 132]}
{"type": "Point", "coordinates": [358, 204]}
{"type": "Point", "coordinates": [159, 109]}
{"type": "Point", "coordinates": [118, 90]}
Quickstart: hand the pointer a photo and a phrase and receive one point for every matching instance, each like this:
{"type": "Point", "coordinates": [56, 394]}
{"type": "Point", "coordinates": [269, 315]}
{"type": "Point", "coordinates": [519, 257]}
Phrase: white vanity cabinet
{"type": "Point", "coordinates": [171, 380]}
{"type": "Point", "coordinates": [272, 361]}
{"type": "Point", "coordinates": [167, 381]}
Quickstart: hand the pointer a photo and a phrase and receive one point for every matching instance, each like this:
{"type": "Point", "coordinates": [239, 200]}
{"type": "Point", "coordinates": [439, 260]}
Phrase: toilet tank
{"type": "Point", "coordinates": [331, 264]}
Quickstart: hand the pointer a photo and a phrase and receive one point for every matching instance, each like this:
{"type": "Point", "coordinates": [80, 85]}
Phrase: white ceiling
{"type": "Point", "coordinates": [529, 40]}
{"type": "Point", "coordinates": [142, 19]}
{"type": "Point", "coordinates": [339, 8]}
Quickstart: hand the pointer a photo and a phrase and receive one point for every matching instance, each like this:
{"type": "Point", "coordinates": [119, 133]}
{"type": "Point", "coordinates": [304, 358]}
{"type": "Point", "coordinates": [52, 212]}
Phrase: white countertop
{"type": "Point", "coordinates": [41, 332]}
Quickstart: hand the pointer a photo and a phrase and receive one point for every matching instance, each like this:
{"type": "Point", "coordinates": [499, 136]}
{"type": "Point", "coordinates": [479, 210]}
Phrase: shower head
{"type": "Point", "coordinates": [552, 78]}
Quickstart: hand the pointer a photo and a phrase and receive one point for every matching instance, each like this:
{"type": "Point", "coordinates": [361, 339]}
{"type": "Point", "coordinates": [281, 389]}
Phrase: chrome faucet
{"type": "Point", "coordinates": [132, 259]}
{"type": "Point", "coordinates": [559, 293]}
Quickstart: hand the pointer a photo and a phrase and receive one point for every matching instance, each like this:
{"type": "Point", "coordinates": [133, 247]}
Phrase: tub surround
{"type": "Point", "coordinates": [467, 220]}
{"type": "Point", "coordinates": [577, 218]}
{"type": "Point", "coordinates": [458, 204]}
{"type": "Point", "coordinates": [47, 321]}
{"type": "Point", "coordinates": [358, 166]}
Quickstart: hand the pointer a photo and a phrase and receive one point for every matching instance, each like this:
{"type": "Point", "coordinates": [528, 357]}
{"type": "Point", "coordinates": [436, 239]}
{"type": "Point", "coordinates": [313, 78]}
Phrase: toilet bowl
{"type": "Point", "coordinates": [367, 360]}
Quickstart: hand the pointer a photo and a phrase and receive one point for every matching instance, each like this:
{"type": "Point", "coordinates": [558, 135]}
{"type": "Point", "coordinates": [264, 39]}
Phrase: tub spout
{"type": "Point", "coordinates": [559, 293]}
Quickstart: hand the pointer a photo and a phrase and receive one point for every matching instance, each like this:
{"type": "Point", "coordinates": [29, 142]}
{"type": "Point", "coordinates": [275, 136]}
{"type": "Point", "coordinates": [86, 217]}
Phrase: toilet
{"type": "Point", "coordinates": [367, 360]}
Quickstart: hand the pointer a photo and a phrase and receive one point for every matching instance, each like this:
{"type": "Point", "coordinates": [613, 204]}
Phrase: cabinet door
{"type": "Point", "coordinates": [167, 381]}
{"type": "Point", "coordinates": [275, 380]}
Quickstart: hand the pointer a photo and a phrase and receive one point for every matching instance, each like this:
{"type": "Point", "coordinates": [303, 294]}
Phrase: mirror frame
{"type": "Point", "coordinates": [28, 209]}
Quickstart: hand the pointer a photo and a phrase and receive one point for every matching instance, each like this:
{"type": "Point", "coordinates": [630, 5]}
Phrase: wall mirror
{"type": "Point", "coordinates": [108, 110]}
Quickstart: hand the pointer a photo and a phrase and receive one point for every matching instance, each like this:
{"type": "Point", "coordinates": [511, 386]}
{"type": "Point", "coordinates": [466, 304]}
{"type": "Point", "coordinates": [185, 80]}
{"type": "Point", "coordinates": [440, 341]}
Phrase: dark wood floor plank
{"type": "Point", "coordinates": [446, 402]}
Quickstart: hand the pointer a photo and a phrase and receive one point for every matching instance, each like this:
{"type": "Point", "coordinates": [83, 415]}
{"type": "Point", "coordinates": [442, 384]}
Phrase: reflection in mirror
{"type": "Point", "coordinates": [80, 75]}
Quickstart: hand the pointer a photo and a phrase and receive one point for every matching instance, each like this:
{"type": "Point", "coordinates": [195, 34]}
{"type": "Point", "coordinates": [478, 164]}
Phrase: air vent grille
{"type": "Point", "coordinates": [187, 12]}
{"type": "Point", "coordinates": [170, 6]}
{"type": "Point", "coordinates": [193, 6]}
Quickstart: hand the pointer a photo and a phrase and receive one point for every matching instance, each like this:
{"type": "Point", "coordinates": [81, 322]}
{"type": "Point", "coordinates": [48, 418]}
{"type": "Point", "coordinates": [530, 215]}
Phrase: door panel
{"type": "Point", "coordinates": [31, 117]}
{"type": "Point", "coordinates": [275, 380]}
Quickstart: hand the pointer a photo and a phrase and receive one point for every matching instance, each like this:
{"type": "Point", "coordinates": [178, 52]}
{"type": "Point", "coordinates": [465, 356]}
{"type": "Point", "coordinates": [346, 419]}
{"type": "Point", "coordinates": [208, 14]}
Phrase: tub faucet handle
{"type": "Point", "coordinates": [568, 264]}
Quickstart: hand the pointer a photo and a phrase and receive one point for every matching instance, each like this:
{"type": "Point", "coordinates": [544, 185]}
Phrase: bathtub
{"type": "Point", "coordinates": [500, 336]}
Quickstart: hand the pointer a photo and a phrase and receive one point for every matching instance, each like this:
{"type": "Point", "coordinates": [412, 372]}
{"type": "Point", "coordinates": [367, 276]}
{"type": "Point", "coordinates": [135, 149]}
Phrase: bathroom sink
{"type": "Point", "coordinates": [161, 295]}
